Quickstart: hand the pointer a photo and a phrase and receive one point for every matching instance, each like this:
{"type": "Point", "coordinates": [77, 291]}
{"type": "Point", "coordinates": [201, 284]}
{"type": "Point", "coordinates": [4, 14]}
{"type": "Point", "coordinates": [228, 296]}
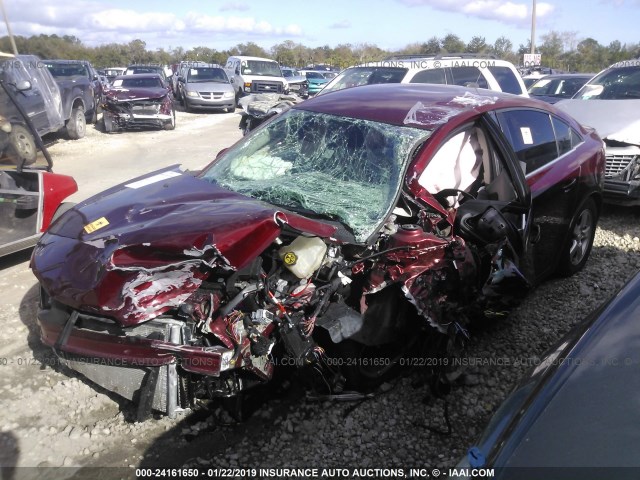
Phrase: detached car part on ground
{"type": "Point", "coordinates": [610, 103]}
{"type": "Point", "coordinates": [31, 196]}
{"type": "Point", "coordinates": [257, 108]}
{"type": "Point", "coordinates": [343, 233]}
{"type": "Point", "coordinates": [574, 415]}
{"type": "Point", "coordinates": [138, 101]}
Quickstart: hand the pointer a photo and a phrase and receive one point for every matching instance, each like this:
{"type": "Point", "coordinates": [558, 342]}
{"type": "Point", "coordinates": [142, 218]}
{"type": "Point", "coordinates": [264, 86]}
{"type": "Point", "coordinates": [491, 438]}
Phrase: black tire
{"type": "Point", "coordinates": [577, 248]}
{"type": "Point", "coordinates": [77, 123]}
{"type": "Point", "coordinates": [108, 124]}
{"type": "Point", "coordinates": [171, 124]}
{"type": "Point", "coordinates": [367, 367]}
{"type": "Point", "coordinates": [394, 334]}
{"type": "Point", "coordinates": [22, 145]}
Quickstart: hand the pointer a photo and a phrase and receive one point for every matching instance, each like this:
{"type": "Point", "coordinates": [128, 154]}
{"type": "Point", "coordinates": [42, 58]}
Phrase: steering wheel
{"type": "Point", "coordinates": [451, 192]}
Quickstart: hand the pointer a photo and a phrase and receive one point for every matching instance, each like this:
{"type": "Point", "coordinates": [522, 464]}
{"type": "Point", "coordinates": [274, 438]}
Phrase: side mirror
{"type": "Point", "coordinates": [23, 85]}
{"type": "Point", "coordinates": [237, 71]}
{"type": "Point", "coordinates": [222, 151]}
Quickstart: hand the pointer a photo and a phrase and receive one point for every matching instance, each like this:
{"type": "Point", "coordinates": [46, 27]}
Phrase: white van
{"type": "Point", "coordinates": [255, 75]}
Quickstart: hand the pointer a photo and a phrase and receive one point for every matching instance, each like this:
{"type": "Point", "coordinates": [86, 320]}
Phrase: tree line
{"type": "Point", "coordinates": [560, 50]}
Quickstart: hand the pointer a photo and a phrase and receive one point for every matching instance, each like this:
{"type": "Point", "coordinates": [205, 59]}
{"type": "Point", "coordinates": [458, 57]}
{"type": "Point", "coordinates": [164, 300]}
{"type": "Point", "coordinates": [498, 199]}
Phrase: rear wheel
{"type": "Point", "coordinates": [581, 233]}
{"type": "Point", "coordinates": [23, 146]}
{"type": "Point", "coordinates": [77, 123]}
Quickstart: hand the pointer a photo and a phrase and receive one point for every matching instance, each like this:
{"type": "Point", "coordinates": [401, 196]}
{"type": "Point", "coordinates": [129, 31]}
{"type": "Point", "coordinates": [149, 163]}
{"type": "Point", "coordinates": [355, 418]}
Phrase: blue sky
{"type": "Point", "coordinates": [390, 24]}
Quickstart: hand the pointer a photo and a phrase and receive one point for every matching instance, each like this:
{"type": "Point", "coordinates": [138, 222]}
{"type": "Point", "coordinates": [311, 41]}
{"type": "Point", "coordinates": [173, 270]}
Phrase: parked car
{"type": "Point", "coordinates": [454, 69]}
{"type": "Point", "coordinates": [175, 79]}
{"type": "Point", "coordinates": [112, 72]}
{"type": "Point", "coordinates": [316, 80]}
{"type": "Point", "coordinates": [610, 102]}
{"type": "Point", "coordinates": [206, 86]}
{"type": "Point", "coordinates": [31, 196]}
{"type": "Point", "coordinates": [298, 83]}
{"type": "Point", "coordinates": [553, 88]}
{"type": "Point", "coordinates": [574, 414]}
{"type": "Point", "coordinates": [255, 75]}
{"type": "Point", "coordinates": [144, 69]}
{"type": "Point", "coordinates": [138, 101]}
{"type": "Point", "coordinates": [80, 89]}
{"type": "Point", "coordinates": [349, 226]}
{"type": "Point", "coordinates": [37, 92]}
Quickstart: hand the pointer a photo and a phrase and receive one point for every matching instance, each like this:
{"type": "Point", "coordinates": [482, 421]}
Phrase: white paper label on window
{"type": "Point", "coordinates": [527, 139]}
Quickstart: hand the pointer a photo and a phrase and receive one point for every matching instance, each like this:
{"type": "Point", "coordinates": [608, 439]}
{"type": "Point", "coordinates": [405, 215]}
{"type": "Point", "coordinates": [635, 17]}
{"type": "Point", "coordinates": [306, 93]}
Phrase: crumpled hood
{"type": "Point", "coordinates": [613, 119]}
{"type": "Point", "coordinates": [131, 94]}
{"type": "Point", "coordinates": [141, 248]}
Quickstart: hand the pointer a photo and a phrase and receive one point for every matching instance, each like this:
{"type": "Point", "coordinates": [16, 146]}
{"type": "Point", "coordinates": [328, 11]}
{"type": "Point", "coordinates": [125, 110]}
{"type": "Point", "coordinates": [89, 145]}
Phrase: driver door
{"type": "Point", "coordinates": [476, 173]}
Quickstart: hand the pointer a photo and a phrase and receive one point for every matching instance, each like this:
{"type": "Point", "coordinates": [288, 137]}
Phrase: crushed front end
{"type": "Point", "coordinates": [128, 113]}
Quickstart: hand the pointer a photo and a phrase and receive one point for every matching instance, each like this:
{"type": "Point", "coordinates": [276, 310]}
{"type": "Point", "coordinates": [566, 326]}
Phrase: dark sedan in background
{"type": "Point", "coordinates": [576, 414]}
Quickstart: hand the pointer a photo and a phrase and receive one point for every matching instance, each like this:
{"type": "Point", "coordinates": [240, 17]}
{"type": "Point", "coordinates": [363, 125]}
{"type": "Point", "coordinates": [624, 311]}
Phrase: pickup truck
{"type": "Point", "coordinates": [80, 90]}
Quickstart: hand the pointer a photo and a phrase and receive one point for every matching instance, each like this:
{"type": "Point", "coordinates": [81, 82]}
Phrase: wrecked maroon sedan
{"type": "Point", "coordinates": [335, 235]}
{"type": "Point", "coordinates": [138, 101]}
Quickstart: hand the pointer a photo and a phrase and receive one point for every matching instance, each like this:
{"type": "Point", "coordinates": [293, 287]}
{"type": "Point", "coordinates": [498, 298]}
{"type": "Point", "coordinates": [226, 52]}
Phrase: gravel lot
{"type": "Point", "coordinates": [52, 418]}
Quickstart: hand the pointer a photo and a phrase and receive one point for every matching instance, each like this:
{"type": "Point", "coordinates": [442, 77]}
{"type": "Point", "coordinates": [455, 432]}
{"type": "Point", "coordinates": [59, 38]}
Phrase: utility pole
{"type": "Point", "coordinates": [6, 21]}
{"type": "Point", "coordinates": [533, 28]}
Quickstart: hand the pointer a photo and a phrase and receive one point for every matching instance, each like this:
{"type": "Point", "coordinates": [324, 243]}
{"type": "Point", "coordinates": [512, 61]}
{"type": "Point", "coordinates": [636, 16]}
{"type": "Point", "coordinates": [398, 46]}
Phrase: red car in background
{"type": "Point", "coordinates": [338, 236]}
{"type": "Point", "coordinates": [31, 195]}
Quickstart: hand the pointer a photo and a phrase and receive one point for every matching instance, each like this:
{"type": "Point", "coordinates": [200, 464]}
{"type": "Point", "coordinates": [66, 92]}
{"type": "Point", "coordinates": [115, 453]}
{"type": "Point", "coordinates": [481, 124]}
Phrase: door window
{"type": "Point", "coordinates": [531, 136]}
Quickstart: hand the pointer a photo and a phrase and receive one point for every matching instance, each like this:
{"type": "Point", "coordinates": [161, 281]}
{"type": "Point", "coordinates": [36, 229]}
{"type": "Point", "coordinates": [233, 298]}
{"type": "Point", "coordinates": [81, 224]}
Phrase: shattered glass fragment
{"type": "Point", "coordinates": [347, 169]}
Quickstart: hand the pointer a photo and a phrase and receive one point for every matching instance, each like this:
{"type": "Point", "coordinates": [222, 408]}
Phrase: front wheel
{"type": "Point", "coordinates": [581, 233]}
{"type": "Point", "coordinates": [171, 124]}
{"type": "Point", "coordinates": [23, 145]}
{"type": "Point", "coordinates": [77, 123]}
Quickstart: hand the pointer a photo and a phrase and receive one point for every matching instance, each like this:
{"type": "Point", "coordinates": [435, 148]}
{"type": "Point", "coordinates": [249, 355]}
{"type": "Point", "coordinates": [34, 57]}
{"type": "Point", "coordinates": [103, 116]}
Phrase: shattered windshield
{"type": "Point", "coordinates": [613, 84]}
{"type": "Point", "coordinates": [341, 168]}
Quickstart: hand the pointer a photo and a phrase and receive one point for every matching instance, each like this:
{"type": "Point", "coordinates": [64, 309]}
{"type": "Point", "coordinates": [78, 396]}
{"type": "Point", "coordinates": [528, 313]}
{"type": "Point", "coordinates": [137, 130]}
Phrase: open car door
{"type": "Point", "coordinates": [476, 173]}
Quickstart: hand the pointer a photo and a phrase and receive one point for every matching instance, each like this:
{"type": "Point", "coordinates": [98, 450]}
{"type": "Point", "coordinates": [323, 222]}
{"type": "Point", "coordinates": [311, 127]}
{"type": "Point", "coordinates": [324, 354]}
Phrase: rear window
{"type": "Point", "coordinates": [435, 75]}
{"type": "Point", "coordinates": [468, 77]}
{"type": "Point", "coordinates": [506, 79]}
{"type": "Point", "coordinates": [357, 76]}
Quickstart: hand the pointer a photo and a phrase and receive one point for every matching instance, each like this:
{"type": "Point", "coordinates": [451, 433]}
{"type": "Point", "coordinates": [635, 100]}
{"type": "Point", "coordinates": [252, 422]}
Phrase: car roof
{"type": "Point", "coordinates": [138, 76]}
{"type": "Point", "coordinates": [60, 60]}
{"type": "Point", "coordinates": [420, 62]}
{"type": "Point", "coordinates": [391, 102]}
{"type": "Point", "coordinates": [568, 75]}
{"type": "Point", "coordinates": [243, 57]}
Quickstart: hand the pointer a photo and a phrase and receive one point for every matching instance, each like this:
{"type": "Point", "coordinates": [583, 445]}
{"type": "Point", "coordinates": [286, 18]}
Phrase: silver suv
{"type": "Point", "coordinates": [450, 69]}
{"type": "Point", "coordinates": [610, 103]}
